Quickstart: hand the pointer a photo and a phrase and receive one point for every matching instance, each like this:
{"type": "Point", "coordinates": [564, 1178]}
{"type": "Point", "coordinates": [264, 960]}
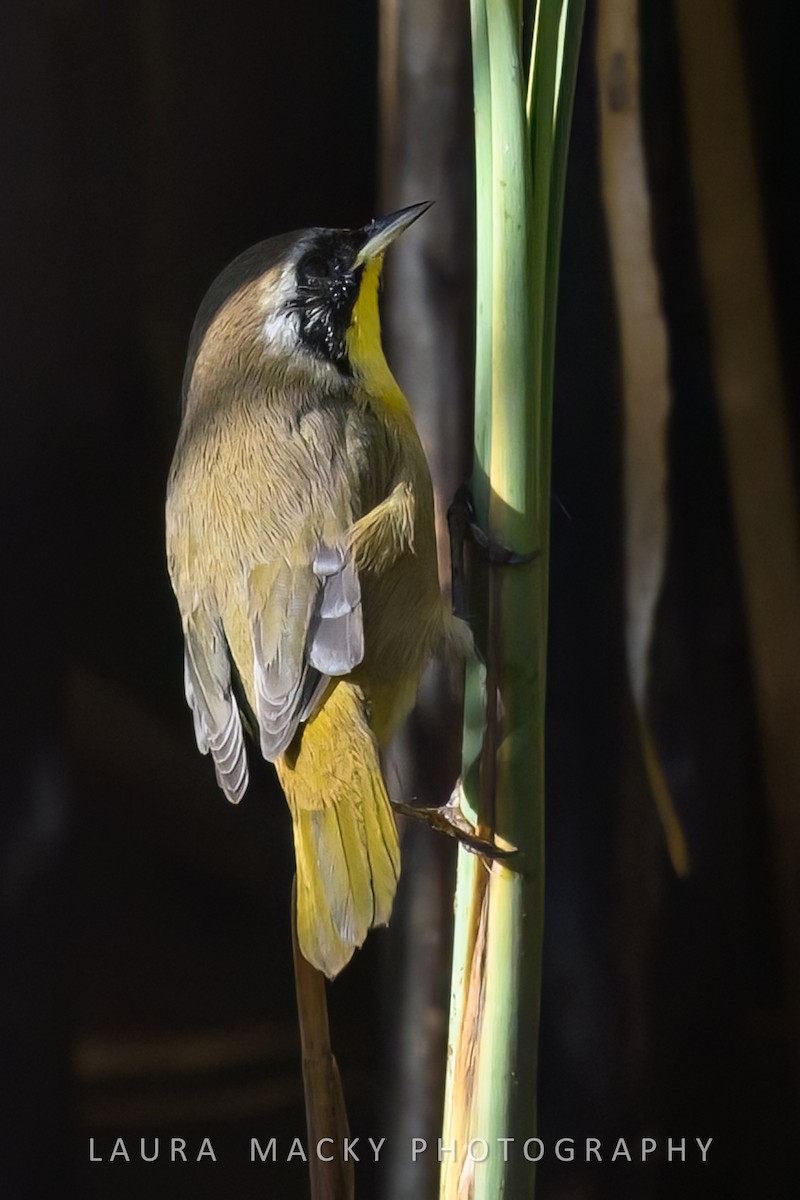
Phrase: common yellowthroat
{"type": "Point", "coordinates": [301, 549]}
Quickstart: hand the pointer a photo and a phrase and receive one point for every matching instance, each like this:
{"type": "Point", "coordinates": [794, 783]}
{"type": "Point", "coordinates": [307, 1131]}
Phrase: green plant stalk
{"type": "Point", "coordinates": [551, 95]}
{"type": "Point", "coordinates": [520, 171]}
{"type": "Point", "coordinates": [474, 690]}
{"type": "Point", "coordinates": [505, 1095]}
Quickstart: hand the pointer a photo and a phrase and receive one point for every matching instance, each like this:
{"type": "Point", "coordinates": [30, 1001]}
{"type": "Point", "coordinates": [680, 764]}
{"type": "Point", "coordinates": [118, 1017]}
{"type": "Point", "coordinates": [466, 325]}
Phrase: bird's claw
{"type": "Point", "coordinates": [448, 818]}
{"type": "Point", "coordinates": [462, 523]}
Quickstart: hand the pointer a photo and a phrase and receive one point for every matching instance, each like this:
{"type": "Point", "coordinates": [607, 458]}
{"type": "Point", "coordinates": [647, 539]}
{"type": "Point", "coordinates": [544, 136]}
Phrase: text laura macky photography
{"type": "Point", "coordinates": [677, 1149]}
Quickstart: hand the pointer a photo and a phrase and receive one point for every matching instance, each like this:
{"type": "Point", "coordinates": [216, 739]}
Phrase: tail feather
{"type": "Point", "coordinates": [346, 847]}
{"type": "Point", "coordinates": [381, 830]}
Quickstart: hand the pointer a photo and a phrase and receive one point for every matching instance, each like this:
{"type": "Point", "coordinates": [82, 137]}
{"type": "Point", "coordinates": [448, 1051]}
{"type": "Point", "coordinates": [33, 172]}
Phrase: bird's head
{"type": "Point", "coordinates": [305, 301]}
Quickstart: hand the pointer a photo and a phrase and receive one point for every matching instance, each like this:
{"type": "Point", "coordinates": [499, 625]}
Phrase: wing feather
{"type": "Point", "coordinates": [336, 644]}
{"type": "Point", "coordinates": [217, 724]}
{"type": "Point", "coordinates": [307, 629]}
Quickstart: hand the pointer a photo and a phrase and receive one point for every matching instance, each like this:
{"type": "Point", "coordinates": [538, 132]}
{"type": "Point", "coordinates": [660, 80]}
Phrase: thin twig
{"type": "Point", "coordinates": [326, 1115]}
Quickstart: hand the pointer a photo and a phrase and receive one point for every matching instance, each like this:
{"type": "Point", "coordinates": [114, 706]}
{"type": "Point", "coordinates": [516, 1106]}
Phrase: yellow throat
{"type": "Point", "coordinates": [363, 341]}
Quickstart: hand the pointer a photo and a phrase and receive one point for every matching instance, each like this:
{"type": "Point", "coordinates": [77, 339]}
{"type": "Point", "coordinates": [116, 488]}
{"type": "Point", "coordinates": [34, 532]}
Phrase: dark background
{"type": "Point", "coordinates": [146, 972]}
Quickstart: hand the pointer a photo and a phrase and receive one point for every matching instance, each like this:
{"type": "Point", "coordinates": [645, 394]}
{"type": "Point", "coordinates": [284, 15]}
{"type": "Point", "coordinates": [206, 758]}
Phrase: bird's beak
{"type": "Point", "coordinates": [382, 232]}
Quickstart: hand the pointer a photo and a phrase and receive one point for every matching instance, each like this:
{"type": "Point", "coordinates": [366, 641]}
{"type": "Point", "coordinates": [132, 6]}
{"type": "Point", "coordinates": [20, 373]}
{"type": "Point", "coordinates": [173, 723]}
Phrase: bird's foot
{"type": "Point", "coordinates": [449, 818]}
{"type": "Point", "coordinates": [462, 524]}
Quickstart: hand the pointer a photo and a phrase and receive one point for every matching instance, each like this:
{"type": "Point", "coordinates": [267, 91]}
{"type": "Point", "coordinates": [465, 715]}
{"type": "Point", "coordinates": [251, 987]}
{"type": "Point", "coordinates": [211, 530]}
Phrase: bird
{"type": "Point", "coordinates": [301, 550]}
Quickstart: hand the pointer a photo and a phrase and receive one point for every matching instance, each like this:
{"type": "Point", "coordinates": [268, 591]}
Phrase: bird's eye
{"type": "Point", "coordinates": [315, 269]}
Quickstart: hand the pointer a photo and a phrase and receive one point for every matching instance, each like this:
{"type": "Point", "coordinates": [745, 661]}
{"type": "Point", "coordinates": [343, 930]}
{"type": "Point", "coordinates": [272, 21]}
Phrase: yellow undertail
{"type": "Point", "coordinates": [345, 837]}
